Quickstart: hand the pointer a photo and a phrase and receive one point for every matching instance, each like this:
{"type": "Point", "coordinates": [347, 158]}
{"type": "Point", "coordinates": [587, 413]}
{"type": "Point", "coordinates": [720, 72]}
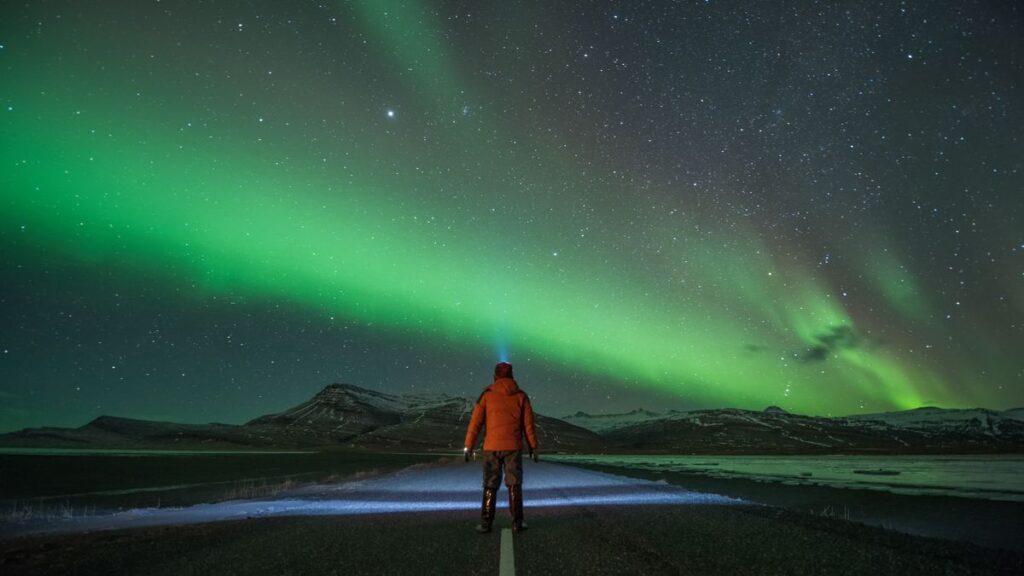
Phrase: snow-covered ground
{"type": "Point", "coordinates": [986, 477]}
{"type": "Point", "coordinates": [417, 489]}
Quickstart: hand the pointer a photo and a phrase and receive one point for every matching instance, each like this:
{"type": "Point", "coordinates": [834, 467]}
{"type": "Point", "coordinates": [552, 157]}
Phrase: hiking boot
{"type": "Point", "coordinates": [515, 507]}
{"type": "Point", "coordinates": [487, 511]}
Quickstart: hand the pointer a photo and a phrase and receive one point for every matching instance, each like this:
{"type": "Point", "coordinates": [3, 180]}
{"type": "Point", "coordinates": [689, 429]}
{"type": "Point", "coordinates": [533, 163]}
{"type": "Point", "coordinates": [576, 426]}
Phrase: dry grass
{"type": "Point", "coordinates": [251, 490]}
{"type": "Point", "coordinates": [28, 511]}
{"type": "Point", "coordinates": [833, 512]}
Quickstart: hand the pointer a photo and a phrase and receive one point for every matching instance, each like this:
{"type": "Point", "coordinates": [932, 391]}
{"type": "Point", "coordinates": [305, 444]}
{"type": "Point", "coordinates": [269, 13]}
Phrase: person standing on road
{"type": "Point", "coordinates": [507, 414]}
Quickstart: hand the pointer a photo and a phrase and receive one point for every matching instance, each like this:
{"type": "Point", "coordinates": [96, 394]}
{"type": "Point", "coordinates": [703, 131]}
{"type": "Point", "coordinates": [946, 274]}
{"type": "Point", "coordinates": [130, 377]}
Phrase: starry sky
{"type": "Point", "coordinates": [211, 210]}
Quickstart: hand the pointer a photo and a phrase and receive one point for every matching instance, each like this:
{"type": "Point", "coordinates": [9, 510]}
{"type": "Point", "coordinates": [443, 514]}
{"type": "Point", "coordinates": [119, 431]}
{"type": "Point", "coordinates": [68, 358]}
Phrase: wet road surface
{"type": "Point", "coordinates": [420, 521]}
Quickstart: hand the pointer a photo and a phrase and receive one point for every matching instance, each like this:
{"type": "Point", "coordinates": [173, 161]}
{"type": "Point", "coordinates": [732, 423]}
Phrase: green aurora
{"type": "Point", "coordinates": [453, 217]}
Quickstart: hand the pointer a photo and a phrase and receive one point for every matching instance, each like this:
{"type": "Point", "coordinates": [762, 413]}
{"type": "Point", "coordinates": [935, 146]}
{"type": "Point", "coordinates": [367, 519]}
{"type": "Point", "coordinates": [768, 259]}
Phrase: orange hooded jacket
{"type": "Point", "coordinates": [506, 411]}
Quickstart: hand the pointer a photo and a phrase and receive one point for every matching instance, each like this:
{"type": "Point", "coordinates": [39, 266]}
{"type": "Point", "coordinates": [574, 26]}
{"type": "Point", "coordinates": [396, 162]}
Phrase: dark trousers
{"type": "Point", "coordinates": [509, 461]}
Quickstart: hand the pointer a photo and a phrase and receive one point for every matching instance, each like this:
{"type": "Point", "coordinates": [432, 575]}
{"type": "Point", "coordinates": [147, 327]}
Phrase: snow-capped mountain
{"type": "Point", "coordinates": [346, 414]}
{"type": "Point", "coordinates": [338, 413]}
{"type": "Point", "coordinates": [603, 423]}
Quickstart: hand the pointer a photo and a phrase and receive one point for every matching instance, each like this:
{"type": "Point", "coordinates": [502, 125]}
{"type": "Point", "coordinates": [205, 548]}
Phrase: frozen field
{"type": "Point", "coordinates": [984, 477]}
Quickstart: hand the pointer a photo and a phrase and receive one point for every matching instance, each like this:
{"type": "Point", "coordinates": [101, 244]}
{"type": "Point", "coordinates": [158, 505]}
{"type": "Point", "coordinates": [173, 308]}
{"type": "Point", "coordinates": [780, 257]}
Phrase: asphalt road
{"type": "Point", "coordinates": [420, 521]}
{"type": "Point", "coordinates": [423, 488]}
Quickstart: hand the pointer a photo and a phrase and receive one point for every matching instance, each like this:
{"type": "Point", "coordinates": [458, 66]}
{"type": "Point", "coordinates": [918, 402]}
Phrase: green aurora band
{"type": "Point", "coordinates": [231, 228]}
{"type": "Point", "coordinates": [104, 175]}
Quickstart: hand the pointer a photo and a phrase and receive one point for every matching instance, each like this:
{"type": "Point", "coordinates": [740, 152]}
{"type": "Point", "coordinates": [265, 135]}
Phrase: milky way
{"type": "Point", "coordinates": [211, 210]}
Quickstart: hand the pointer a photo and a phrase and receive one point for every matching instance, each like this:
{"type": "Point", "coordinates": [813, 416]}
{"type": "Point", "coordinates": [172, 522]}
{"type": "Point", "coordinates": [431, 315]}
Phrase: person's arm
{"type": "Point", "coordinates": [476, 422]}
{"type": "Point", "coordinates": [531, 434]}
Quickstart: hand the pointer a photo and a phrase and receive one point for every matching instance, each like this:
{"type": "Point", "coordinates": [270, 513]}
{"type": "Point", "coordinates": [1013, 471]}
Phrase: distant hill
{"type": "Point", "coordinates": [340, 415]}
{"type": "Point", "coordinates": [129, 433]}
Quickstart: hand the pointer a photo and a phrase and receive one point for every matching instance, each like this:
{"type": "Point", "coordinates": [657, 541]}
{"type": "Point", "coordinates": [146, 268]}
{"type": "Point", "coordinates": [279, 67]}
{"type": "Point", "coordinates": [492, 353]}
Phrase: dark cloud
{"type": "Point", "coordinates": [837, 338]}
{"type": "Point", "coordinates": [814, 354]}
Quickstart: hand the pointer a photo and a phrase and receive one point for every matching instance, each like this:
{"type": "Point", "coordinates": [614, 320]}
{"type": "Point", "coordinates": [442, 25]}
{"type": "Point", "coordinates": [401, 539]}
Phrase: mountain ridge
{"type": "Point", "coordinates": [346, 416]}
{"type": "Point", "coordinates": [338, 416]}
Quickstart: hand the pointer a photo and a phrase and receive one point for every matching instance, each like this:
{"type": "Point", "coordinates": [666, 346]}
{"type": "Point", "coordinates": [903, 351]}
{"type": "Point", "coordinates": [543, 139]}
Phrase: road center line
{"type": "Point", "coordinates": [506, 560]}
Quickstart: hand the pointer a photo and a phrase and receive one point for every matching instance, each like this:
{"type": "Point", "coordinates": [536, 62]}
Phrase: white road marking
{"type": "Point", "coordinates": [507, 560]}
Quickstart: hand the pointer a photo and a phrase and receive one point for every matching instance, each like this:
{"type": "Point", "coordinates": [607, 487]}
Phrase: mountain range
{"type": "Point", "coordinates": [344, 416]}
{"type": "Point", "coordinates": [339, 416]}
{"type": "Point", "coordinates": [775, 431]}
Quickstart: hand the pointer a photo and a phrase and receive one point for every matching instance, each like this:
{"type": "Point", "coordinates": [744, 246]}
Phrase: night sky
{"type": "Point", "coordinates": [211, 210]}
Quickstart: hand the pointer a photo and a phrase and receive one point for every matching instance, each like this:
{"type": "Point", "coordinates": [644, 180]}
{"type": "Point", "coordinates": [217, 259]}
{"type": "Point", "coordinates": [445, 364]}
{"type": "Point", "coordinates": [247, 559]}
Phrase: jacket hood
{"type": "Point", "coordinates": [506, 386]}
